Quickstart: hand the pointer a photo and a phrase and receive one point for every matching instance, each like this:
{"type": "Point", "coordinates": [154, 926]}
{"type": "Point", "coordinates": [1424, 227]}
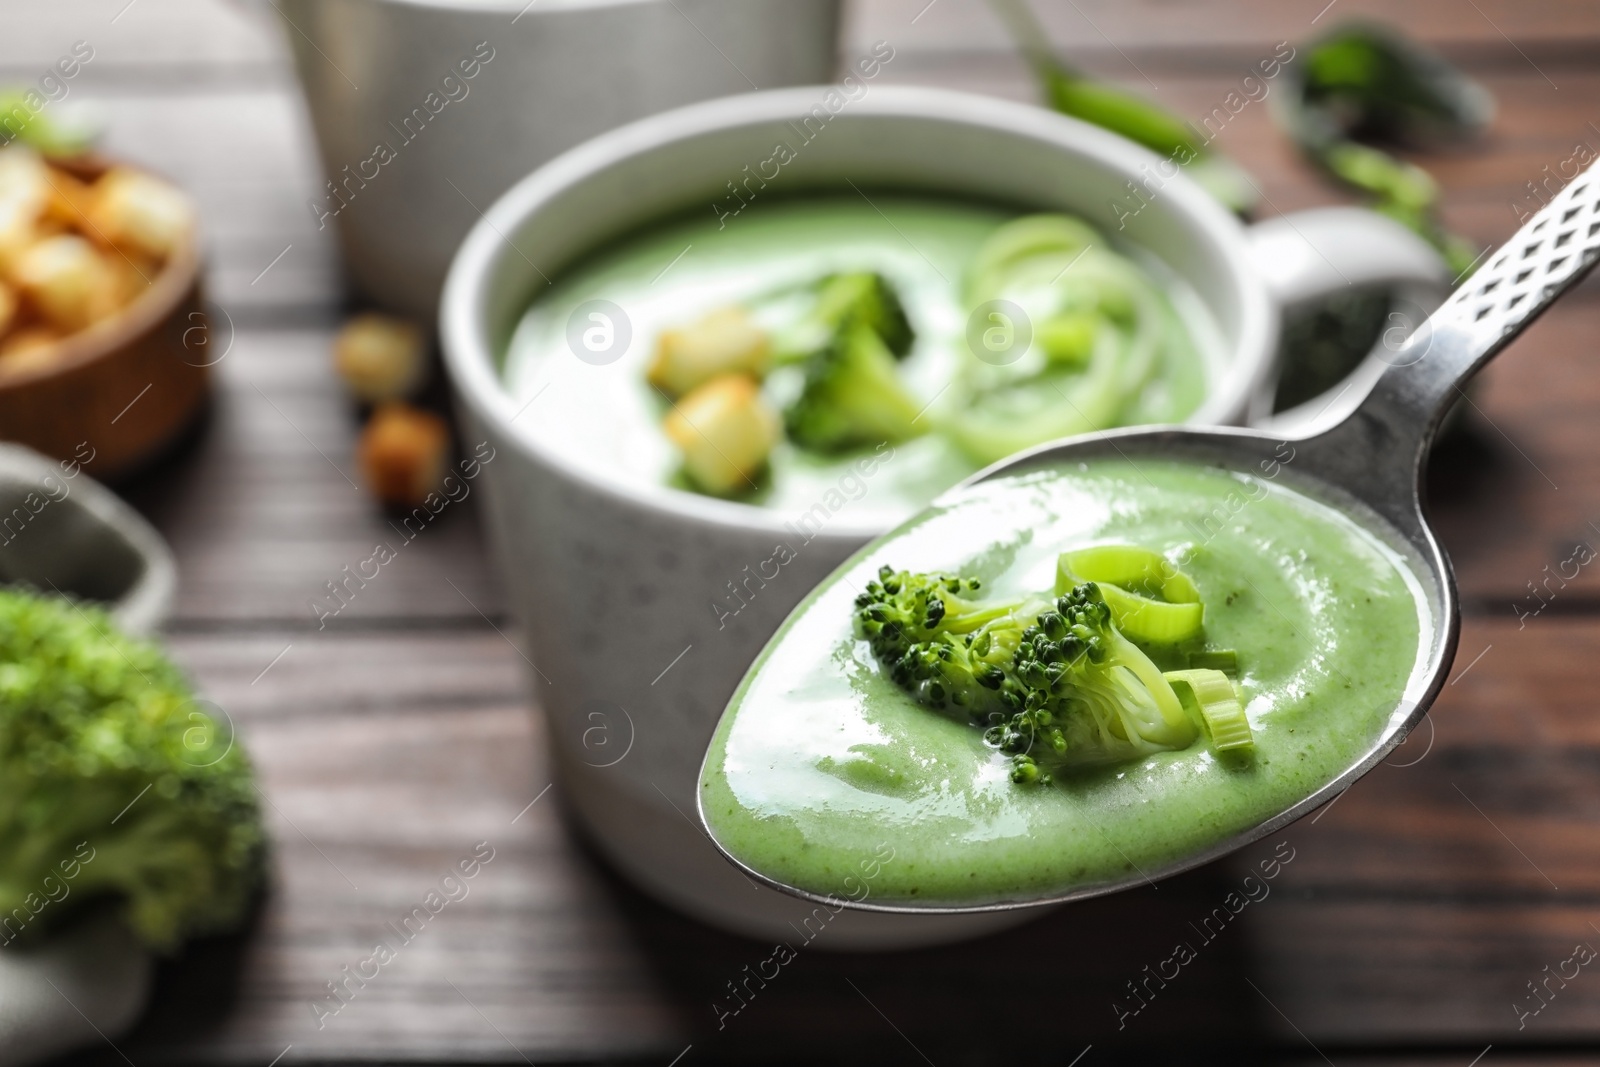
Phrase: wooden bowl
{"type": "Point", "coordinates": [121, 390]}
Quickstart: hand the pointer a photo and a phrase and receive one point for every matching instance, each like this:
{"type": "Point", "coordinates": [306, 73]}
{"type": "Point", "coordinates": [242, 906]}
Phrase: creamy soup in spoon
{"type": "Point", "coordinates": [823, 754]}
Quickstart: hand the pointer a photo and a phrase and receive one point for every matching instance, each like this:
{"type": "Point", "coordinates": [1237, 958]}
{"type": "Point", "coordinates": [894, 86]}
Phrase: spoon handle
{"type": "Point", "coordinates": [1550, 253]}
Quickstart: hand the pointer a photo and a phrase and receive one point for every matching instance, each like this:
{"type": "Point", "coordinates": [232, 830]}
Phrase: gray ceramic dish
{"type": "Point", "coordinates": [61, 530]}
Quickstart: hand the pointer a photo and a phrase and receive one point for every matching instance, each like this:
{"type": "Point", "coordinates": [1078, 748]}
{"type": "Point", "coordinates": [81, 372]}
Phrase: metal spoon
{"type": "Point", "coordinates": [1370, 466]}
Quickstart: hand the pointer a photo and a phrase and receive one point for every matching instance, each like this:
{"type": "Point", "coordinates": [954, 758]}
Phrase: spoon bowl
{"type": "Point", "coordinates": [1368, 468]}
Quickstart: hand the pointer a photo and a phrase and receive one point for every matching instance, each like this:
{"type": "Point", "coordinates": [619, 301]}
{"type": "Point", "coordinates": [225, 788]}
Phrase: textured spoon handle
{"type": "Point", "coordinates": [1552, 251]}
{"type": "Point", "coordinates": [1524, 276]}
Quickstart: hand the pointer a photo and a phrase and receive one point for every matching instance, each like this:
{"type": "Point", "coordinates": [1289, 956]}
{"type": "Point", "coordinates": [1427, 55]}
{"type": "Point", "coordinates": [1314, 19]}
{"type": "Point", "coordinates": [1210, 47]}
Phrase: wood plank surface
{"type": "Point", "coordinates": [1417, 906]}
{"type": "Point", "coordinates": [1414, 910]}
{"type": "Point", "coordinates": [264, 508]}
{"type": "Point", "coordinates": [1175, 32]}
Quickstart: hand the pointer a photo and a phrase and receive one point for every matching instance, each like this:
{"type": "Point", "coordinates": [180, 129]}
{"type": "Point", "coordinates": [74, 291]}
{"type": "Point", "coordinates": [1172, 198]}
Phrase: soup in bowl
{"type": "Point", "coordinates": [878, 347]}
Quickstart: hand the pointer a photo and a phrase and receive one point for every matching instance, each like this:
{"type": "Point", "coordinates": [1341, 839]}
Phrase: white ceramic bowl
{"type": "Point", "coordinates": [544, 75]}
{"type": "Point", "coordinates": [614, 582]}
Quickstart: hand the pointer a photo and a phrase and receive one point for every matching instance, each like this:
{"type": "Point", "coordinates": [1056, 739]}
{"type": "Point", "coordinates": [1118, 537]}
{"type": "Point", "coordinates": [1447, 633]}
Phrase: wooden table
{"type": "Point", "coordinates": [1406, 928]}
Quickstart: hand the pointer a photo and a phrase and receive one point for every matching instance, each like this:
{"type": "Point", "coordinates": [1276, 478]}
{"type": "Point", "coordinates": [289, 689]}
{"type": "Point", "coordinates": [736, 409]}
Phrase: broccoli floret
{"type": "Point", "coordinates": [1092, 695]}
{"type": "Point", "coordinates": [865, 298]}
{"type": "Point", "coordinates": [1053, 682]}
{"type": "Point", "coordinates": [852, 396]}
{"type": "Point", "coordinates": [847, 345]}
{"type": "Point", "coordinates": [113, 783]}
{"type": "Point", "coordinates": [942, 646]}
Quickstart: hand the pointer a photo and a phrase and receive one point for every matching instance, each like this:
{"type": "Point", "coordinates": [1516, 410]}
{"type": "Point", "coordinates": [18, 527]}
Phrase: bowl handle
{"type": "Point", "coordinates": [1307, 256]}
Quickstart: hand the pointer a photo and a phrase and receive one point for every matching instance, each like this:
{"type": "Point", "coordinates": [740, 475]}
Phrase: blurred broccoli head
{"type": "Point", "coordinates": [867, 298]}
{"type": "Point", "coordinates": [114, 782]}
{"type": "Point", "coordinates": [852, 396]}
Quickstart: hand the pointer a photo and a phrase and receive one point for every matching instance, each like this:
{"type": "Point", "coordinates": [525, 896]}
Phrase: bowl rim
{"type": "Point", "coordinates": [146, 605]}
{"type": "Point", "coordinates": [469, 356]}
{"type": "Point", "coordinates": [102, 340]}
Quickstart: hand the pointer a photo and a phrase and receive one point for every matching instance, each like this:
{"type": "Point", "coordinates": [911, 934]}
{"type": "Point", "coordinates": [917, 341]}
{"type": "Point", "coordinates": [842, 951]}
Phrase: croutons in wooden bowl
{"type": "Point", "coordinates": [104, 343]}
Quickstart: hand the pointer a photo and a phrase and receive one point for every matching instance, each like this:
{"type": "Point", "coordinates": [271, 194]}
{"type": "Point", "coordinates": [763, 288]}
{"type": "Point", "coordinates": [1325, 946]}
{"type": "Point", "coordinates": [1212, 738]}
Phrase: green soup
{"type": "Point", "coordinates": [820, 758]}
{"type": "Point", "coordinates": [604, 418]}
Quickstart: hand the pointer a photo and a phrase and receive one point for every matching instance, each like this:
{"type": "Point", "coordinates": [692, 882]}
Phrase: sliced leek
{"type": "Point", "coordinates": [1225, 660]}
{"type": "Point", "coordinates": [1151, 600]}
{"type": "Point", "coordinates": [1212, 697]}
{"type": "Point", "coordinates": [1091, 331]}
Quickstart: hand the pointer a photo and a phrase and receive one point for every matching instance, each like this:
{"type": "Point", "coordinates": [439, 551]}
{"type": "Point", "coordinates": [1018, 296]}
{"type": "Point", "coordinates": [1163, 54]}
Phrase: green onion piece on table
{"type": "Point", "coordinates": [1072, 93]}
{"type": "Point", "coordinates": [1364, 82]}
